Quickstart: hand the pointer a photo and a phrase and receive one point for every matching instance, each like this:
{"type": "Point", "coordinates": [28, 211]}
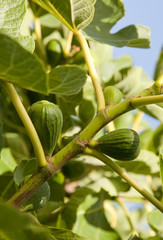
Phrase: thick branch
{"type": "Point", "coordinates": [79, 144]}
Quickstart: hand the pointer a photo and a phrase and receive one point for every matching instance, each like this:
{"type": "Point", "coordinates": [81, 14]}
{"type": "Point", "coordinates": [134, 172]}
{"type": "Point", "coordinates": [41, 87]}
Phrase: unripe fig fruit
{"type": "Point", "coordinates": [121, 144]}
{"type": "Point", "coordinates": [112, 95]}
{"type": "Point", "coordinates": [74, 170]}
{"type": "Point", "coordinates": [54, 52]}
{"type": "Point", "coordinates": [47, 119]}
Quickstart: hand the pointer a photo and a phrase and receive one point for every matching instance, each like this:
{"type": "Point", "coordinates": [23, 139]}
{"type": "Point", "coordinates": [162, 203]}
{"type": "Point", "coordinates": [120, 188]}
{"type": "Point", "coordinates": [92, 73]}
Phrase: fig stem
{"type": "Point", "coordinates": [68, 43]}
{"type": "Point", "coordinates": [27, 123]}
{"type": "Point", "coordinates": [92, 72]}
{"type": "Point", "coordinates": [138, 102]}
{"type": "Point", "coordinates": [125, 176]}
{"type": "Point", "coordinates": [39, 40]}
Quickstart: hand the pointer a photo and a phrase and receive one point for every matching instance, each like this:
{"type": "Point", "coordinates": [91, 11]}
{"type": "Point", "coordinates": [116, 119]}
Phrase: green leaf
{"type": "Point", "coordinates": [161, 164]}
{"type": "Point", "coordinates": [25, 168]}
{"type": "Point", "coordinates": [62, 234]}
{"type": "Point", "coordinates": [48, 20]}
{"type": "Point", "coordinates": [137, 77]}
{"type": "Point", "coordinates": [7, 186]}
{"type": "Point", "coordinates": [17, 144]}
{"type": "Point", "coordinates": [20, 67]}
{"type": "Point", "coordinates": [112, 185]}
{"type": "Point", "coordinates": [156, 140]}
{"type": "Point", "coordinates": [67, 103]}
{"type": "Point", "coordinates": [75, 14]}
{"type": "Point", "coordinates": [12, 219]}
{"type": "Point", "coordinates": [111, 68]}
{"type": "Point", "coordinates": [37, 10]}
{"type": "Point", "coordinates": [106, 65]}
{"type": "Point", "coordinates": [154, 111]}
{"type": "Point", "coordinates": [66, 80]}
{"type": "Point", "coordinates": [71, 207]}
{"type": "Point", "coordinates": [15, 225]}
{"type": "Point", "coordinates": [87, 215]}
{"type": "Point", "coordinates": [91, 221]}
{"type": "Point", "coordinates": [155, 219]}
{"type": "Point", "coordinates": [7, 161]}
{"type": "Point", "coordinates": [146, 163]}
{"type": "Point", "coordinates": [39, 198]}
{"type": "Point", "coordinates": [44, 213]}
{"type": "Point", "coordinates": [107, 13]}
{"type": "Point", "coordinates": [159, 66]}
{"type": "Point", "coordinates": [119, 184]}
{"type": "Point", "coordinates": [57, 184]}
{"type": "Point", "coordinates": [145, 136]}
{"type": "Point", "coordinates": [11, 17]}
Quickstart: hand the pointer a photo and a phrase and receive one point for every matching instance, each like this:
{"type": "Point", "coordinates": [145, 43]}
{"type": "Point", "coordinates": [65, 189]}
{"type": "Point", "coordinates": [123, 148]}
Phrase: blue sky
{"type": "Point", "coordinates": [148, 13]}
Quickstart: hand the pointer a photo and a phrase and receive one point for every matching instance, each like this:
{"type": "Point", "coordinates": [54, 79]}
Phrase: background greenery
{"type": "Point", "coordinates": [85, 199]}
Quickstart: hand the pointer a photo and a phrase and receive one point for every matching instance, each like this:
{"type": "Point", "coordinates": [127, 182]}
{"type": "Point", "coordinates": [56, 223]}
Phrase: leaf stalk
{"type": "Point", "coordinates": [27, 123]}
{"type": "Point", "coordinates": [92, 71]}
{"type": "Point", "coordinates": [68, 43]}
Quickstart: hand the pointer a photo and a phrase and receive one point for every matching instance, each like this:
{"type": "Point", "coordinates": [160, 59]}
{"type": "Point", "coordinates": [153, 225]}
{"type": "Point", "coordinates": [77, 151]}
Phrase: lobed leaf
{"type": "Point", "coordinates": [91, 221]}
{"type": "Point", "coordinates": [107, 13]}
{"type": "Point", "coordinates": [87, 215]}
